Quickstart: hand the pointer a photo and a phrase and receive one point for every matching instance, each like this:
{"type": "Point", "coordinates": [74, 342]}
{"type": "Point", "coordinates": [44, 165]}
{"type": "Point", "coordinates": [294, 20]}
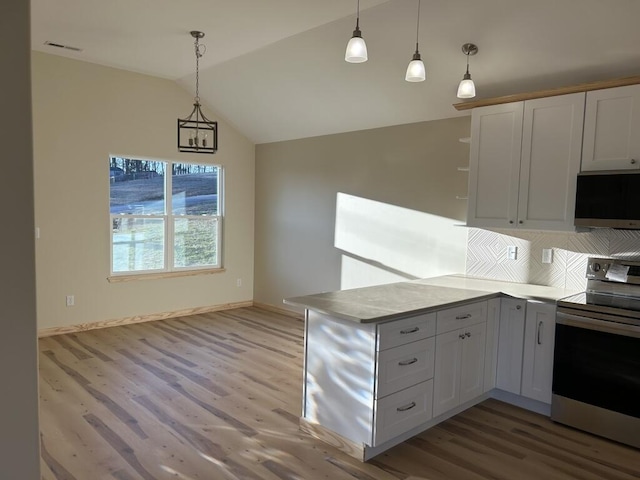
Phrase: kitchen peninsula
{"type": "Point", "coordinates": [384, 363]}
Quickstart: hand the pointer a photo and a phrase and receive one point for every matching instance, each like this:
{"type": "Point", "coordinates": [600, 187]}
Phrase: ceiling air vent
{"type": "Point", "coordinates": [59, 45]}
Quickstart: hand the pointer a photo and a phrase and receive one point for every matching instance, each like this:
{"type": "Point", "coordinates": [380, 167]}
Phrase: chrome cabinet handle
{"type": "Point", "coordinates": [633, 161]}
{"type": "Point", "coordinates": [461, 336]}
{"type": "Point", "coordinates": [406, 407]}
{"type": "Point", "coordinates": [511, 222]}
{"type": "Point", "coordinates": [412, 330]}
{"type": "Point", "coordinates": [520, 222]}
{"type": "Point", "coordinates": [404, 363]}
{"type": "Point", "coordinates": [540, 324]}
{"type": "Point", "coordinates": [462, 317]}
{"type": "Point", "coordinates": [518, 307]}
{"type": "Point", "coordinates": [467, 334]}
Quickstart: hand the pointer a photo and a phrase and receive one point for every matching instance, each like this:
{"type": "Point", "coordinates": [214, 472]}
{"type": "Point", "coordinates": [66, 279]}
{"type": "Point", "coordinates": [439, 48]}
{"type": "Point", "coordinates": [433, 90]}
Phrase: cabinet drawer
{"type": "Point", "coordinates": [461, 317]}
{"type": "Point", "coordinates": [402, 411]}
{"type": "Point", "coordinates": [404, 366]}
{"type": "Point", "coordinates": [406, 330]}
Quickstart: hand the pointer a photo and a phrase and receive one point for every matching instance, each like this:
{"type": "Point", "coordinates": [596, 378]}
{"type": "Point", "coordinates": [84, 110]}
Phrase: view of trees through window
{"type": "Point", "coordinates": [155, 204]}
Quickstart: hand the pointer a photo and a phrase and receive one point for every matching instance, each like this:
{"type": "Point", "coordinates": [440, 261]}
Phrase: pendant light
{"type": "Point", "coordinates": [467, 88]}
{"type": "Point", "coordinates": [356, 48]}
{"type": "Point", "coordinates": [415, 70]}
{"type": "Point", "coordinates": [196, 133]}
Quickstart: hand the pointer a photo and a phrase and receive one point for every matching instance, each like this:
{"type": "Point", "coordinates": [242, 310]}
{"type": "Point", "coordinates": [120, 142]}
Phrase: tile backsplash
{"type": "Point", "coordinates": [487, 254]}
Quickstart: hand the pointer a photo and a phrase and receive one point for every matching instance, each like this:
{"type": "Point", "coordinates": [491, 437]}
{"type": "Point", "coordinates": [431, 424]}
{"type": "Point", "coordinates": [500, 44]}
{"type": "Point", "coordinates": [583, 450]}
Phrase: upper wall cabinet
{"type": "Point", "coordinates": [612, 129]}
{"type": "Point", "coordinates": [524, 160]}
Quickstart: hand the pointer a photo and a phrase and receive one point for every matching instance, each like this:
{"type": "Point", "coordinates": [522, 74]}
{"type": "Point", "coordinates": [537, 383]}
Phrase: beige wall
{"type": "Point", "coordinates": [82, 114]}
{"type": "Point", "coordinates": [360, 208]}
{"type": "Point", "coordinates": [19, 437]}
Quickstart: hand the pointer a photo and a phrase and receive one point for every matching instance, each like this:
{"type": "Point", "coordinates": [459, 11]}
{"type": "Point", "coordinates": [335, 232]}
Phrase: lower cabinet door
{"type": "Point", "coordinates": [472, 363]}
{"type": "Point", "coordinates": [402, 411]}
{"type": "Point", "coordinates": [537, 365]}
{"type": "Point", "coordinates": [511, 345]}
{"type": "Point", "coordinates": [446, 386]}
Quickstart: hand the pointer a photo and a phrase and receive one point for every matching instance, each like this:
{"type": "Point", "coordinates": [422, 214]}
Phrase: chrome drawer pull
{"type": "Point", "coordinates": [467, 334]}
{"type": "Point", "coordinates": [462, 317]}
{"type": "Point", "coordinates": [413, 330]}
{"type": "Point", "coordinates": [404, 363]}
{"type": "Point", "coordinates": [407, 407]}
{"type": "Point", "coordinates": [461, 336]}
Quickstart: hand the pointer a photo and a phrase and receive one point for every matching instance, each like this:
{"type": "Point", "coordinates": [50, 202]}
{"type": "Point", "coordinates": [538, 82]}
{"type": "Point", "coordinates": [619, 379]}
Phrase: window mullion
{"type": "Point", "coordinates": [169, 223]}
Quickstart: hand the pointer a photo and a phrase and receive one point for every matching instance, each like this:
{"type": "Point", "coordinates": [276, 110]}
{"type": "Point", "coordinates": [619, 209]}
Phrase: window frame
{"type": "Point", "coordinates": [169, 220]}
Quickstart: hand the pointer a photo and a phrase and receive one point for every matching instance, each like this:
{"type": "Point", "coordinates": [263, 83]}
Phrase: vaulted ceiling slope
{"type": "Point", "coordinates": [276, 70]}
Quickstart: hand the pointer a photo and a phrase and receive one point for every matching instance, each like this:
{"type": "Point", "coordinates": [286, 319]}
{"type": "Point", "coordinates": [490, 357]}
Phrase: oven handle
{"type": "Point", "coordinates": [599, 325]}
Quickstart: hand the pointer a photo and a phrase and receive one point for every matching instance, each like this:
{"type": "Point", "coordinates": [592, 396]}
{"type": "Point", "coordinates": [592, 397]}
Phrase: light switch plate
{"type": "Point", "coordinates": [547, 255]}
{"type": "Point", "coordinates": [512, 252]}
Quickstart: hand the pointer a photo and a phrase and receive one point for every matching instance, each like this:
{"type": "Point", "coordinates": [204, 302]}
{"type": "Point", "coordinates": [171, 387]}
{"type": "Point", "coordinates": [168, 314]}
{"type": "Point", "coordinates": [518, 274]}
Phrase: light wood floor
{"type": "Point", "coordinates": [218, 396]}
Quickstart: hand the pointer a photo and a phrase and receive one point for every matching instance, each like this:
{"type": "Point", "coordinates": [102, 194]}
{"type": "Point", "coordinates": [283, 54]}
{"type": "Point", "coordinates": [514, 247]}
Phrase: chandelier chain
{"type": "Point", "coordinates": [200, 49]}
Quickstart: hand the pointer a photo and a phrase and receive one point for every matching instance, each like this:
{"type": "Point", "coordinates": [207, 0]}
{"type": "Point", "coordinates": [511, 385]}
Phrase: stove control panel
{"type": "Point", "coordinates": [597, 269]}
{"type": "Point", "coordinates": [616, 270]}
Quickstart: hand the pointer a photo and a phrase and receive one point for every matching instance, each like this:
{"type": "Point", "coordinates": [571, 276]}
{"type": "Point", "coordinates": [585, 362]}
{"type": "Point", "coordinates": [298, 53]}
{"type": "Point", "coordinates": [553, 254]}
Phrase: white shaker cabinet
{"type": "Point", "coordinates": [537, 364]}
{"type": "Point", "coordinates": [369, 382]}
{"type": "Point", "coordinates": [494, 165]}
{"type": "Point", "coordinates": [491, 350]}
{"type": "Point", "coordinates": [612, 129]}
{"type": "Point", "coordinates": [525, 348]}
{"type": "Point", "coordinates": [460, 356]}
{"type": "Point", "coordinates": [511, 345]}
{"type": "Point", "coordinates": [523, 163]}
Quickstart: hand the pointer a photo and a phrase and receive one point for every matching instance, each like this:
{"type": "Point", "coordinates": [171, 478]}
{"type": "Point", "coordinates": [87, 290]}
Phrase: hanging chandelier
{"type": "Point", "coordinates": [196, 133]}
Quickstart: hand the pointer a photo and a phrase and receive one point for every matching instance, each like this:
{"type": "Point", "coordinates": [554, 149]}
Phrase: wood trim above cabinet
{"type": "Point", "coordinates": [552, 92]}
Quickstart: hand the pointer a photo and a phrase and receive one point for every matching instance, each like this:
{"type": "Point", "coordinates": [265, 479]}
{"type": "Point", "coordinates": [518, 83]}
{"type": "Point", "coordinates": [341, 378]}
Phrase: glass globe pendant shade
{"type": "Point", "coordinates": [416, 71]}
{"type": "Point", "coordinates": [467, 88]}
{"type": "Point", "coordinates": [356, 49]}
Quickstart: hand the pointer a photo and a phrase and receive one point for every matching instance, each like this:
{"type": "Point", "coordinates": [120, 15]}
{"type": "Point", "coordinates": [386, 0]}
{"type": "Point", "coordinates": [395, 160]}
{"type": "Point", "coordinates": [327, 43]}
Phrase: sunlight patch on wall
{"type": "Point", "coordinates": [385, 243]}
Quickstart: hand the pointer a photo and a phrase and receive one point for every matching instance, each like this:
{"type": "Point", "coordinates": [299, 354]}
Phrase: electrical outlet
{"type": "Point", "coordinates": [71, 300]}
{"type": "Point", "coordinates": [512, 252]}
{"type": "Point", "coordinates": [239, 282]}
{"type": "Point", "coordinates": [547, 255]}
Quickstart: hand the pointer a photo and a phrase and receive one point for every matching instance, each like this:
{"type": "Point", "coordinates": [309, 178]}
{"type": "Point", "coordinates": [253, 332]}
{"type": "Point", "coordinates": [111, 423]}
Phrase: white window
{"type": "Point", "coordinates": [165, 216]}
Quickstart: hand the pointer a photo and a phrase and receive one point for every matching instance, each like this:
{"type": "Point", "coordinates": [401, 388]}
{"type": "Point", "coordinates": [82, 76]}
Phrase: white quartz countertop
{"type": "Point", "coordinates": [387, 302]}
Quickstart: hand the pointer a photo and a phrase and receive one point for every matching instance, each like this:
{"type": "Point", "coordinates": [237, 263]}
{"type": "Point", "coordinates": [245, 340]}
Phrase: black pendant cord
{"type": "Point", "coordinates": [418, 27]}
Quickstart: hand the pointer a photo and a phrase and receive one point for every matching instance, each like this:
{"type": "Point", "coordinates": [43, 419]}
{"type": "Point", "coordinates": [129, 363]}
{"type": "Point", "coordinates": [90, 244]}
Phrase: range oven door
{"type": "Point", "coordinates": [596, 376]}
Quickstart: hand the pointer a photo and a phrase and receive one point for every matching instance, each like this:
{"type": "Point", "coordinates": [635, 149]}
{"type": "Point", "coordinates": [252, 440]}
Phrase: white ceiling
{"type": "Point", "coordinates": [275, 68]}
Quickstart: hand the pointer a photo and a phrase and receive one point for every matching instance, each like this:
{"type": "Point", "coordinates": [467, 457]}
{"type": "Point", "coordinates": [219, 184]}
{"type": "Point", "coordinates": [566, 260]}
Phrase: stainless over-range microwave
{"type": "Point", "coordinates": [608, 199]}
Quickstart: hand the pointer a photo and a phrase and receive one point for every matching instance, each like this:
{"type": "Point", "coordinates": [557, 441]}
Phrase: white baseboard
{"type": "Point", "coordinates": [46, 332]}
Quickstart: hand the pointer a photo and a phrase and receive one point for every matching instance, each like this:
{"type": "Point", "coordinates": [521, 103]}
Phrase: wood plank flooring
{"type": "Point", "coordinates": [218, 396]}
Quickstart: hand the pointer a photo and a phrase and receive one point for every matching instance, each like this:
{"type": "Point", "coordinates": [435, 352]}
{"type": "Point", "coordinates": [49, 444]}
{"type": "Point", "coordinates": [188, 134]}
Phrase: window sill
{"type": "Point", "coordinates": [157, 276]}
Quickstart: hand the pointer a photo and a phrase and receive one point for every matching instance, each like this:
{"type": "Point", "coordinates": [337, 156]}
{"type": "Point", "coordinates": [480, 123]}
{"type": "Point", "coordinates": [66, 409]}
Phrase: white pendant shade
{"type": "Point", "coordinates": [466, 89]}
{"type": "Point", "coordinates": [356, 50]}
{"type": "Point", "coordinates": [415, 71]}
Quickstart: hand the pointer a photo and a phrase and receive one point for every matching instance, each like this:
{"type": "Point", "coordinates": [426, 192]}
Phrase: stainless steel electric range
{"type": "Point", "coordinates": [596, 372]}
